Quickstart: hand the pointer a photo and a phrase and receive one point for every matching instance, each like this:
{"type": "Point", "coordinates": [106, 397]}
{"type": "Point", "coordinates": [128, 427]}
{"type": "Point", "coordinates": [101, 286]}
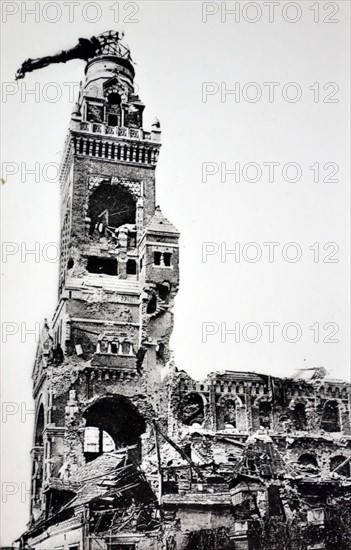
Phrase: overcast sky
{"type": "Point", "coordinates": [177, 47]}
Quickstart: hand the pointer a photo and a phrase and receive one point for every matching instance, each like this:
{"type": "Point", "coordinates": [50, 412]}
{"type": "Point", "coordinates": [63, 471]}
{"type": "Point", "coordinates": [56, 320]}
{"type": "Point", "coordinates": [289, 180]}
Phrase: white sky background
{"type": "Point", "coordinates": [175, 53]}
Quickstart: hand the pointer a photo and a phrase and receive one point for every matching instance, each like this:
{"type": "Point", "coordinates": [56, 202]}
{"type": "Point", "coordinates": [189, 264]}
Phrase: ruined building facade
{"type": "Point", "coordinates": [128, 452]}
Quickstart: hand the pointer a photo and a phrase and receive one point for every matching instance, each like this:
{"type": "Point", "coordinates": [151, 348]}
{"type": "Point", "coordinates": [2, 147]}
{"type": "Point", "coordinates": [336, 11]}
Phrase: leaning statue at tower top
{"type": "Point", "coordinates": [107, 43]}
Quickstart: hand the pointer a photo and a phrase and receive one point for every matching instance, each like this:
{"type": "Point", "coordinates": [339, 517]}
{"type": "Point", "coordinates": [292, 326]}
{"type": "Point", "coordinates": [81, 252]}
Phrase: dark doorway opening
{"type": "Point", "coordinates": [131, 267]}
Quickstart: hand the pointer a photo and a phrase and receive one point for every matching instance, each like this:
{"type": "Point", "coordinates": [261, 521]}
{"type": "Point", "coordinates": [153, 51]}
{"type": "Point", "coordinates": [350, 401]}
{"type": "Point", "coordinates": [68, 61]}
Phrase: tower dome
{"type": "Point", "coordinates": [113, 58]}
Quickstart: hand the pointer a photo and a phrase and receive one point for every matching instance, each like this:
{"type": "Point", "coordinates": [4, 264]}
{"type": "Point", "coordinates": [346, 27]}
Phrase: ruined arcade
{"type": "Point", "coordinates": [129, 453]}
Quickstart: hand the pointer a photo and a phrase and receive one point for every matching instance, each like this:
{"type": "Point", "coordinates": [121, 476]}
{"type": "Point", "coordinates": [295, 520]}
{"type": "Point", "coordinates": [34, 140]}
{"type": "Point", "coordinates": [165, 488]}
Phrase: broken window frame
{"type": "Point", "coordinates": [100, 441]}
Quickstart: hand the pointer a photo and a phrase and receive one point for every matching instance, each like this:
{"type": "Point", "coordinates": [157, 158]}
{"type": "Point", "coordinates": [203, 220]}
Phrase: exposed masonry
{"type": "Point", "coordinates": [129, 452]}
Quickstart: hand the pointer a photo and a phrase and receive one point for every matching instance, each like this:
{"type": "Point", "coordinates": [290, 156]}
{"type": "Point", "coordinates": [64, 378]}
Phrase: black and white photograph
{"type": "Point", "coordinates": [175, 275]}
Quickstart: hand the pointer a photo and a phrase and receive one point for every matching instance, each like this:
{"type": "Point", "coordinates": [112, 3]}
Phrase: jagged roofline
{"type": "Point", "coordinates": [108, 43]}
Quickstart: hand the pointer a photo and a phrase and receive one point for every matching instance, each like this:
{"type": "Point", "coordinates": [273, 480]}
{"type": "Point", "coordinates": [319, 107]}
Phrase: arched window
{"type": "Point", "coordinates": [331, 417]}
{"type": "Point", "coordinates": [226, 414]}
{"type": "Point", "coordinates": [192, 409]}
{"type": "Point", "coordinates": [126, 348]}
{"type": "Point", "coordinates": [114, 348]}
{"type": "Point", "coordinates": [39, 428]}
{"type": "Point", "coordinates": [338, 460]}
{"type": "Point", "coordinates": [102, 346]}
{"type": "Point", "coordinates": [300, 420]}
{"type": "Point", "coordinates": [131, 267]}
{"type": "Point", "coordinates": [117, 424]}
{"type": "Point", "coordinates": [308, 460]}
{"type": "Point", "coordinates": [114, 109]}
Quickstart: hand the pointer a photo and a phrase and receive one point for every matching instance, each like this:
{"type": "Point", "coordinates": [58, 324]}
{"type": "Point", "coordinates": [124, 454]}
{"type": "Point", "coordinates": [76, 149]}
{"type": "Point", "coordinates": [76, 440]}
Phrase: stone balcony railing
{"type": "Point", "coordinates": [99, 140]}
{"type": "Point", "coordinates": [118, 131]}
{"type": "Point", "coordinates": [131, 149]}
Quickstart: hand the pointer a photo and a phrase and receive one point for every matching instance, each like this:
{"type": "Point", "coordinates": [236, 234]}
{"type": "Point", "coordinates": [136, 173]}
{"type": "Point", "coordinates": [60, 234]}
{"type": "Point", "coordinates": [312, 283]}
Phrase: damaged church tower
{"type": "Point", "coordinates": [98, 368]}
{"type": "Point", "coordinates": [130, 453]}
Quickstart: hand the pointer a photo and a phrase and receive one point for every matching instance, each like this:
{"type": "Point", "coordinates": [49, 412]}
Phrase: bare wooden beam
{"type": "Point", "coordinates": [179, 450]}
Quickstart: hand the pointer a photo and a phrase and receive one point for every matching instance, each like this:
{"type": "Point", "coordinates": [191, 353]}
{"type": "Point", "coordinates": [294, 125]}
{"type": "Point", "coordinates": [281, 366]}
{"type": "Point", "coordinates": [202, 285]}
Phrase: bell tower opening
{"type": "Point", "coordinates": [114, 98]}
{"type": "Point", "coordinates": [111, 206]}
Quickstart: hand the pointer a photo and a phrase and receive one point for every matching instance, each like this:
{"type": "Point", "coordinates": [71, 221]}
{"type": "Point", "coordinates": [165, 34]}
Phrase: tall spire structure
{"type": "Point", "coordinates": [97, 373]}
